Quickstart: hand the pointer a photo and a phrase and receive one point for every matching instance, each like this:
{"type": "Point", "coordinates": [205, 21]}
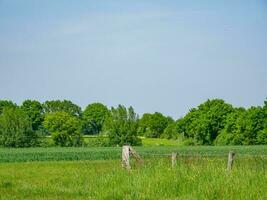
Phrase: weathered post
{"type": "Point", "coordinates": [126, 157]}
{"type": "Point", "coordinates": [231, 157]}
{"type": "Point", "coordinates": [174, 155]}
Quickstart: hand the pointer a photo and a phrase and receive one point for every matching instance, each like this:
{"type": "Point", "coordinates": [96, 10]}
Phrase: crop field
{"type": "Point", "coordinates": [96, 173]}
{"type": "Point", "coordinates": [111, 153]}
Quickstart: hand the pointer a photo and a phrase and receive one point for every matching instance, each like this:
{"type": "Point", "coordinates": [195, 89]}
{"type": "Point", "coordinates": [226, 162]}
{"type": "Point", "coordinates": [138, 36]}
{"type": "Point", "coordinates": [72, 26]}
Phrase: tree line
{"type": "Point", "coordinates": [213, 122]}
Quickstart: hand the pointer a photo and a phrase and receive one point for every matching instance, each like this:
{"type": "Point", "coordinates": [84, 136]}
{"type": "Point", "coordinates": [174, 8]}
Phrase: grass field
{"type": "Point", "coordinates": [96, 173]}
{"type": "Point", "coordinates": [91, 141]}
{"type": "Point", "coordinates": [195, 178]}
{"type": "Point", "coordinates": [160, 142]}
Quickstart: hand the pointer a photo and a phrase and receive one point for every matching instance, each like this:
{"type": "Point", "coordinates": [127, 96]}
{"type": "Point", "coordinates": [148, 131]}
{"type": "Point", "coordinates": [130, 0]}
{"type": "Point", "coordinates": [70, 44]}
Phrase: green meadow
{"type": "Point", "coordinates": [193, 178]}
{"type": "Point", "coordinates": [96, 173]}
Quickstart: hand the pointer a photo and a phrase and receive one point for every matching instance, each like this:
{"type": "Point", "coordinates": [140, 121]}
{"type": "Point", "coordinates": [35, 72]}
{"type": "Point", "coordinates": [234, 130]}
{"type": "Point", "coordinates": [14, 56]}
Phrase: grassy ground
{"type": "Point", "coordinates": [194, 178]}
{"type": "Point", "coordinates": [159, 142]}
{"type": "Point", "coordinates": [96, 173]}
{"type": "Point", "coordinates": [91, 141]}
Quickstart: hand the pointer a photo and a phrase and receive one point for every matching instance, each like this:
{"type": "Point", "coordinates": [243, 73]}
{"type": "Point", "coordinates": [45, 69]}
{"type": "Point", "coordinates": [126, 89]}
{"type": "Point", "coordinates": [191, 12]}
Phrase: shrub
{"type": "Point", "coordinates": [64, 128]}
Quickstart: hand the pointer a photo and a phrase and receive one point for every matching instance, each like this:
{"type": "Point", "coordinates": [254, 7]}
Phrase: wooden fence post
{"type": "Point", "coordinates": [174, 155]}
{"type": "Point", "coordinates": [231, 157]}
{"type": "Point", "coordinates": [126, 157]}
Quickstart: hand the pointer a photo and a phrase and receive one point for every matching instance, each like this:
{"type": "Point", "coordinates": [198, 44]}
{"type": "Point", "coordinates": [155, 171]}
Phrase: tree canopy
{"type": "Point", "coordinates": [65, 105]}
{"type": "Point", "coordinates": [203, 123]}
{"type": "Point", "coordinates": [94, 117]}
{"type": "Point", "coordinates": [213, 122]}
{"type": "Point", "coordinates": [64, 128]}
{"type": "Point", "coordinates": [244, 127]}
{"type": "Point", "coordinates": [153, 125]}
{"type": "Point", "coordinates": [216, 122]}
{"type": "Point", "coordinates": [5, 104]}
{"type": "Point", "coordinates": [35, 112]}
{"type": "Point", "coordinates": [16, 129]}
{"type": "Point", "coordinates": [121, 126]}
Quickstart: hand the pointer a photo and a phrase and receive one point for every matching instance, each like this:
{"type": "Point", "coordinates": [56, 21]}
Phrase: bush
{"type": "Point", "coordinates": [64, 128]}
{"type": "Point", "coordinates": [189, 142]}
{"type": "Point", "coordinates": [262, 137]}
{"type": "Point", "coordinates": [170, 132]}
{"type": "Point", "coordinates": [98, 141]}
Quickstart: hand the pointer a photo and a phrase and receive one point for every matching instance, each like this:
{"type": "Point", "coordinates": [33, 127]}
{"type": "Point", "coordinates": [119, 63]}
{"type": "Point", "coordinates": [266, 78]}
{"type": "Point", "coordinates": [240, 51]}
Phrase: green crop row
{"type": "Point", "coordinates": [110, 153]}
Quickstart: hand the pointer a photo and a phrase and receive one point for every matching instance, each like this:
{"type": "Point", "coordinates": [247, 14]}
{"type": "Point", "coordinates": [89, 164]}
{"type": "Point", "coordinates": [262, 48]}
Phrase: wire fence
{"type": "Point", "coordinates": [193, 154]}
{"type": "Point", "coordinates": [192, 157]}
{"type": "Point", "coordinates": [115, 153]}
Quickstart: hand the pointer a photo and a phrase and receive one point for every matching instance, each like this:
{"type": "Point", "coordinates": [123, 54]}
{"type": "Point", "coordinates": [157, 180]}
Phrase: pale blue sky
{"type": "Point", "coordinates": [165, 56]}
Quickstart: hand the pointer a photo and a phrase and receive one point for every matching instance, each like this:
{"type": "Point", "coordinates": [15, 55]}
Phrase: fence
{"type": "Point", "coordinates": [128, 151]}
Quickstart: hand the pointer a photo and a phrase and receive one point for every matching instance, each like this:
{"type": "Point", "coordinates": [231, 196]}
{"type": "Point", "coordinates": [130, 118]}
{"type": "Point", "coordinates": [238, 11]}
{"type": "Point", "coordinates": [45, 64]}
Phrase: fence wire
{"type": "Point", "coordinates": [197, 154]}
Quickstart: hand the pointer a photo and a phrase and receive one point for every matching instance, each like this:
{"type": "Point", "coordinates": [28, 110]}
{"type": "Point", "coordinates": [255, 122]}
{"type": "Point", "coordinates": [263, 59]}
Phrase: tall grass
{"type": "Point", "coordinates": [192, 178]}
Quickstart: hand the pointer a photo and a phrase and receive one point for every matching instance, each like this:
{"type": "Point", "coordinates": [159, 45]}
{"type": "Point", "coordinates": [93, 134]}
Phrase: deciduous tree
{"type": "Point", "coordinates": [35, 111]}
{"type": "Point", "coordinates": [65, 105]}
{"type": "Point", "coordinates": [94, 117]}
{"type": "Point", "coordinates": [16, 129]}
{"type": "Point", "coordinates": [64, 128]}
{"type": "Point", "coordinates": [6, 104]}
{"type": "Point", "coordinates": [153, 125]}
{"type": "Point", "coordinates": [204, 123]}
{"type": "Point", "coordinates": [121, 126]}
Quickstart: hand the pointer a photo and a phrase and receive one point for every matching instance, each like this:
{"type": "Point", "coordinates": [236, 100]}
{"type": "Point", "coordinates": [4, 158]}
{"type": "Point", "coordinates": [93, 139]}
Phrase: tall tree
{"type": "Point", "coordinates": [35, 111]}
{"type": "Point", "coordinates": [204, 123]}
{"type": "Point", "coordinates": [121, 126]}
{"type": "Point", "coordinates": [232, 133]}
{"type": "Point", "coordinates": [94, 117]}
{"type": "Point", "coordinates": [244, 127]}
{"type": "Point", "coordinates": [65, 105]}
{"type": "Point", "coordinates": [16, 129]}
{"type": "Point", "coordinates": [153, 125]}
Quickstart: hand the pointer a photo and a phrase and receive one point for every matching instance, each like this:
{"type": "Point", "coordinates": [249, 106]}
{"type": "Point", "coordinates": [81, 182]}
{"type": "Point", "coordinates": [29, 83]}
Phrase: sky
{"type": "Point", "coordinates": [155, 55]}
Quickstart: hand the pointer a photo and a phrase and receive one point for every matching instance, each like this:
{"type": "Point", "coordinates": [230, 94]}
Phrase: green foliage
{"type": "Point", "coordinates": [121, 126]}
{"type": "Point", "coordinates": [35, 111]}
{"type": "Point", "coordinates": [204, 123]}
{"type": "Point", "coordinates": [212, 122]}
{"type": "Point", "coordinates": [16, 129]}
{"type": "Point", "coordinates": [153, 125]}
{"type": "Point", "coordinates": [65, 105]}
{"type": "Point", "coordinates": [170, 131]}
{"type": "Point", "coordinates": [244, 127]}
{"type": "Point", "coordinates": [64, 128]}
{"type": "Point", "coordinates": [6, 104]}
{"type": "Point", "coordinates": [232, 133]}
{"type": "Point", "coordinates": [262, 137]}
{"type": "Point", "coordinates": [94, 117]}
{"type": "Point", "coordinates": [96, 141]}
